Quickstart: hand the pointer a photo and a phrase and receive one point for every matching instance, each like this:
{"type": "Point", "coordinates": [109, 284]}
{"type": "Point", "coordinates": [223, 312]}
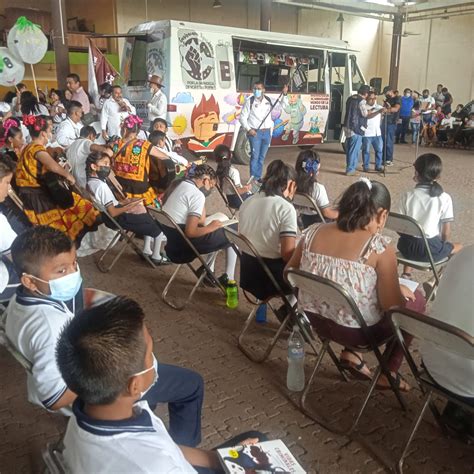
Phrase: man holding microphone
{"type": "Point", "coordinates": [256, 120]}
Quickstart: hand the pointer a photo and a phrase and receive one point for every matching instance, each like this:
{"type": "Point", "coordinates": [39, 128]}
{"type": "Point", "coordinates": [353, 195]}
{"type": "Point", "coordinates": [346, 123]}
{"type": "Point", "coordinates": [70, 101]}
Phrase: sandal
{"type": "Point", "coordinates": [356, 370]}
{"type": "Point", "coordinates": [398, 379]}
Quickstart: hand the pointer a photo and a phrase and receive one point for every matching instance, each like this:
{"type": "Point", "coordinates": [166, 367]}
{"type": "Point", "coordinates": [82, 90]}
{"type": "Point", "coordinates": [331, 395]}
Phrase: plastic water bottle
{"type": "Point", "coordinates": [232, 293]}
{"type": "Point", "coordinates": [261, 316]}
{"type": "Point", "coordinates": [295, 374]}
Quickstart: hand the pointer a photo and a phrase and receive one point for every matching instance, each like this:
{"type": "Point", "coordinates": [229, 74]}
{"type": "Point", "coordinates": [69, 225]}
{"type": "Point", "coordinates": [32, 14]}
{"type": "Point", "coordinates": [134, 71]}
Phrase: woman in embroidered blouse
{"type": "Point", "coordinates": [353, 253]}
{"type": "Point", "coordinates": [132, 162]}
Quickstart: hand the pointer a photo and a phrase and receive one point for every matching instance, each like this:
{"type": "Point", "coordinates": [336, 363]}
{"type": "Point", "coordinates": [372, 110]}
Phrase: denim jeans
{"type": "Point", "coordinates": [377, 144]}
{"type": "Point", "coordinates": [402, 129]}
{"type": "Point", "coordinates": [415, 131]}
{"type": "Point", "coordinates": [353, 147]}
{"type": "Point", "coordinates": [389, 139]}
{"type": "Point", "coordinates": [258, 150]}
{"type": "Point", "coordinates": [183, 390]}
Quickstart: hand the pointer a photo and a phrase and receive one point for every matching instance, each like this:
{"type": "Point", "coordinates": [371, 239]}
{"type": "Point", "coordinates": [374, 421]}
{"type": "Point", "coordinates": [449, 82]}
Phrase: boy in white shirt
{"type": "Point", "coordinates": [112, 430]}
{"type": "Point", "coordinates": [158, 139]}
{"type": "Point", "coordinates": [49, 297]}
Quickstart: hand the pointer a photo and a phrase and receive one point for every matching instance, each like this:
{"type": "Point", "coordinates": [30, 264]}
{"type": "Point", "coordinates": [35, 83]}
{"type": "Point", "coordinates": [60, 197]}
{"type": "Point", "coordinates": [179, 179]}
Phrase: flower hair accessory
{"type": "Point", "coordinates": [367, 181]}
{"type": "Point", "coordinates": [311, 166]}
{"type": "Point", "coordinates": [9, 123]}
{"type": "Point", "coordinates": [132, 120]}
{"type": "Point", "coordinates": [38, 123]}
{"type": "Point", "coordinates": [29, 120]}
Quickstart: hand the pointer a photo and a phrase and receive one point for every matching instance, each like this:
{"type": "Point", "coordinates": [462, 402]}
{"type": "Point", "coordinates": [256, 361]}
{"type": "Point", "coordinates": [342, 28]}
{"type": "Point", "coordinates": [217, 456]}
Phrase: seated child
{"type": "Point", "coordinates": [432, 208]}
{"type": "Point", "coordinates": [223, 157]}
{"type": "Point", "coordinates": [9, 280]}
{"type": "Point", "coordinates": [161, 125]}
{"type": "Point", "coordinates": [130, 213]}
{"type": "Point", "coordinates": [307, 169]}
{"type": "Point", "coordinates": [158, 139]}
{"type": "Point", "coordinates": [105, 355]}
{"type": "Point", "coordinates": [185, 202]}
{"type": "Point", "coordinates": [49, 297]}
{"type": "Point", "coordinates": [269, 221]}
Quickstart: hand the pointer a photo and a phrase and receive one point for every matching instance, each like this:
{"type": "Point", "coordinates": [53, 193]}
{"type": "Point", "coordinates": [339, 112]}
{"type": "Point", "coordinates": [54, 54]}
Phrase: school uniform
{"type": "Point", "coordinates": [140, 224]}
{"type": "Point", "coordinates": [320, 196]}
{"type": "Point", "coordinates": [34, 324]}
{"type": "Point", "coordinates": [430, 212]}
{"type": "Point", "coordinates": [9, 280]}
{"type": "Point", "coordinates": [139, 444]}
{"type": "Point", "coordinates": [264, 220]}
{"type": "Point", "coordinates": [187, 200]}
{"type": "Point", "coordinates": [232, 198]}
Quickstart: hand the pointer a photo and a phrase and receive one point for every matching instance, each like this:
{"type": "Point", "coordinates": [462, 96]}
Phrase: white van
{"type": "Point", "coordinates": [209, 70]}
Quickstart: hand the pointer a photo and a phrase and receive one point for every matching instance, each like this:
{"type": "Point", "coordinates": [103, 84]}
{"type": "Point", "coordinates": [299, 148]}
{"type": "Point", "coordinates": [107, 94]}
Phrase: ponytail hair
{"type": "Point", "coordinates": [193, 172]}
{"type": "Point", "coordinates": [307, 167]}
{"type": "Point", "coordinates": [276, 178]}
{"type": "Point", "coordinates": [222, 155]}
{"type": "Point", "coordinates": [429, 167]}
{"type": "Point", "coordinates": [360, 203]}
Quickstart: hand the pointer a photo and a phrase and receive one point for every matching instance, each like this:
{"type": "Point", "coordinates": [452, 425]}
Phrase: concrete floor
{"type": "Point", "coordinates": [241, 395]}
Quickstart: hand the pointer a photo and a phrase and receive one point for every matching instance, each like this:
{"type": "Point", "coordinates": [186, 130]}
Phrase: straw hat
{"type": "Point", "coordinates": [156, 80]}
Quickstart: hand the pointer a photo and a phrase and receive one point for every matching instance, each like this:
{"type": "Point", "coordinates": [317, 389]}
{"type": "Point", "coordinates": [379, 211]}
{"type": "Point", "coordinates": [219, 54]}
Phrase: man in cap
{"type": "Point", "coordinates": [158, 105]}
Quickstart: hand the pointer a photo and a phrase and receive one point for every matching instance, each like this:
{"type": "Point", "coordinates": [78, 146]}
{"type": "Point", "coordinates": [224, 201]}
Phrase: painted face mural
{"type": "Point", "coordinates": [27, 42]}
{"type": "Point", "coordinates": [205, 118]}
{"type": "Point", "coordinates": [12, 69]}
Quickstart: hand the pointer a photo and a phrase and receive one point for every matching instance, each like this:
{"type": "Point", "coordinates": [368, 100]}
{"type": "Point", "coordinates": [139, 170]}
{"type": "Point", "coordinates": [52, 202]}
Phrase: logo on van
{"type": "Point", "coordinates": [197, 60]}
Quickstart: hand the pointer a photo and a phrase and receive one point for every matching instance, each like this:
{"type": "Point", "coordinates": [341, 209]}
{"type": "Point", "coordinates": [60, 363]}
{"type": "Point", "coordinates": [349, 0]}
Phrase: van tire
{"type": "Point", "coordinates": [242, 149]}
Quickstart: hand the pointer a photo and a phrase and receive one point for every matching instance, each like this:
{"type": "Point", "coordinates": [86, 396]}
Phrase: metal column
{"type": "Point", "coordinates": [396, 47]}
{"type": "Point", "coordinates": [59, 37]}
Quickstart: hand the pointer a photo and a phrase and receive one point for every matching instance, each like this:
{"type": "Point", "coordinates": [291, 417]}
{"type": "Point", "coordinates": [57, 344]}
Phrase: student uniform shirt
{"type": "Point", "coordinates": [33, 326]}
{"type": "Point", "coordinates": [102, 192]}
{"type": "Point", "coordinates": [7, 236]}
{"type": "Point", "coordinates": [186, 200]}
{"type": "Point", "coordinates": [264, 220]}
{"type": "Point", "coordinates": [137, 445]}
{"type": "Point", "coordinates": [76, 155]}
{"type": "Point", "coordinates": [67, 132]}
{"type": "Point", "coordinates": [428, 211]}
{"type": "Point", "coordinates": [320, 197]}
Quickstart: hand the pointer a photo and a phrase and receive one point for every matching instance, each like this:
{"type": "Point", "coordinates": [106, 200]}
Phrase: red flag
{"type": "Point", "coordinates": [99, 71]}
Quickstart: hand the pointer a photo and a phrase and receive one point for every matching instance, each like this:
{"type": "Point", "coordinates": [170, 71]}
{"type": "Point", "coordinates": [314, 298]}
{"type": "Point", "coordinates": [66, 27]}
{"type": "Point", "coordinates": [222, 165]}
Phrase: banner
{"type": "Point", "coordinates": [99, 71]}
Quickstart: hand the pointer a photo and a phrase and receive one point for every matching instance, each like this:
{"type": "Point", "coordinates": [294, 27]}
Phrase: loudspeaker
{"type": "Point", "coordinates": [376, 84]}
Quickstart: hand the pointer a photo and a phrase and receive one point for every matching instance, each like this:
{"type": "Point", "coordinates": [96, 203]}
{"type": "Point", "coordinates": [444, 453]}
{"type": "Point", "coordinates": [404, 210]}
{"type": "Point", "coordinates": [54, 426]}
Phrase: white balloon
{"type": "Point", "coordinates": [12, 69]}
{"type": "Point", "coordinates": [26, 41]}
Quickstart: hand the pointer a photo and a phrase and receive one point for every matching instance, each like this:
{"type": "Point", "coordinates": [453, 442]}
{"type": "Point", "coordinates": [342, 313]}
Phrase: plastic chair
{"type": "Point", "coordinates": [303, 200]}
{"type": "Point", "coordinates": [443, 336]}
{"type": "Point", "coordinates": [242, 244]}
{"type": "Point", "coordinates": [126, 236]}
{"type": "Point", "coordinates": [335, 295]}
{"type": "Point", "coordinates": [165, 220]}
{"type": "Point", "coordinates": [403, 224]}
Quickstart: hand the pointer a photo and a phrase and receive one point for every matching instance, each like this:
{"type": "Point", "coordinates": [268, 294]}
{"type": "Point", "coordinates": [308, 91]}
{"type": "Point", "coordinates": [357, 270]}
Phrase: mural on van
{"type": "Point", "coordinates": [296, 110]}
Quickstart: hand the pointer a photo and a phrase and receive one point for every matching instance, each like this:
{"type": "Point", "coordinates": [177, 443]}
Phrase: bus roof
{"type": "Point", "coordinates": [258, 36]}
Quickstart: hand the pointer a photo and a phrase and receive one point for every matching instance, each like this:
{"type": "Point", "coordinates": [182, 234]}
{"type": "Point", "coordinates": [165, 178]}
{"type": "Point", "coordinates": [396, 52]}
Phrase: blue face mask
{"type": "Point", "coordinates": [64, 288]}
{"type": "Point", "coordinates": [257, 93]}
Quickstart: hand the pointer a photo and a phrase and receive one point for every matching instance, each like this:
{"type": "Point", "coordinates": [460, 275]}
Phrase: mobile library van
{"type": "Point", "coordinates": [209, 70]}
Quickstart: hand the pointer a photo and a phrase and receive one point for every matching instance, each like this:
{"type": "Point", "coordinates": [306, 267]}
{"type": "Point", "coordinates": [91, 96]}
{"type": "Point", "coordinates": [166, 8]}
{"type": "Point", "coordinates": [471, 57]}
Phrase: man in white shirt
{"type": "Point", "coordinates": [158, 105]}
{"type": "Point", "coordinates": [438, 96]}
{"type": "Point", "coordinates": [373, 135]}
{"type": "Point", "coordinates": [256, 120]}
{"type": "Point", "coordinates": [80, 149]}
{"type": "Point", "coordinates": [70, 129]}
{"type": "Point", "coordinates": [114, 112]}
{"type": "Point", "coordinates": [427, 106]}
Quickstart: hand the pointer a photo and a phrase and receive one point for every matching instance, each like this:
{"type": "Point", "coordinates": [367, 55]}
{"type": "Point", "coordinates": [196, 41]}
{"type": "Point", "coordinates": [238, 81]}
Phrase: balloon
{"type": "Point", "coordinates": [12, 69]}
{"type": "Point", "coordinates": [27, 42]}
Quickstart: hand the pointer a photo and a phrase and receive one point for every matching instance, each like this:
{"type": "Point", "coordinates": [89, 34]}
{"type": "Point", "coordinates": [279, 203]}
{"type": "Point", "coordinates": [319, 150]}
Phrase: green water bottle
{"type": "Point", "coordinates": [232, 293]}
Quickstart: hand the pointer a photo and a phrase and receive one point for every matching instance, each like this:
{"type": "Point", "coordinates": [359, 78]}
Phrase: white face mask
{"type": "Point", "coordinates": [155, 378]}
{"type": "Point", "coordinates": [152, 91]}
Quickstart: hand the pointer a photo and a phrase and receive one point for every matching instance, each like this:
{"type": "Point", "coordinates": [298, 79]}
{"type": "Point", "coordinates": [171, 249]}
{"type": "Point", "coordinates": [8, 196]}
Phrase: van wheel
{"type": "Point", "coordinates": [242, 149]}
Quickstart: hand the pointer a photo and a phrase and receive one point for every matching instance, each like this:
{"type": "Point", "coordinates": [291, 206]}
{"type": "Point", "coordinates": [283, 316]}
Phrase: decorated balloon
{"type": "Point", "coordinates": [12, 69]}
{"type": "Point", "coordinates": [26, 41]}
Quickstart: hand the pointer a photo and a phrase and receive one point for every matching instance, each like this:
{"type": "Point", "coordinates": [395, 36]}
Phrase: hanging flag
{"type": "Point", "coordinates": [99, 71]}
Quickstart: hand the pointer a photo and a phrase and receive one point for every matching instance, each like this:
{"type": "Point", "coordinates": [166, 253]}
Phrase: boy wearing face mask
{"type": "Point", "coordinates": [129, 213]}
{"type": "Point", "coordinates": [256, 120]}
{"type": "Point", "coordinates": [112, 429]}
{"type": "Point", "coordinates": [49, 297]}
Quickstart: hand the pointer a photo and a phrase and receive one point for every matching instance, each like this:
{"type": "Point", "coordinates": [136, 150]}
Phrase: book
{"type": "Point", "coordinates": [410, 284]}
{"type": "Point", "coordinates": [220, 216]}
{"type": "Point", "coordinates": [266, 457]}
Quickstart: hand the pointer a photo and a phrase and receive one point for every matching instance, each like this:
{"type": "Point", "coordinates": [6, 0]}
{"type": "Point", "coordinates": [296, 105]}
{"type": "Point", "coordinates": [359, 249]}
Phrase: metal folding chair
{"type": "Point", "coordinates": [126, 236]}
{"type": "Point", "coordinates": [165, 220]}
{"type": "Point", "coordinates": [233, 211]}
{"type": "Point", "coordinates": [242, 244]}
{"type": "Point", "coordinates": [305, 201]}
{"type": "Point", "coordinates": [403, 224]}
{"type": "Point", "coordinates": [443, 336]}
{"type": "Point", "coordinates": [334, 295]}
